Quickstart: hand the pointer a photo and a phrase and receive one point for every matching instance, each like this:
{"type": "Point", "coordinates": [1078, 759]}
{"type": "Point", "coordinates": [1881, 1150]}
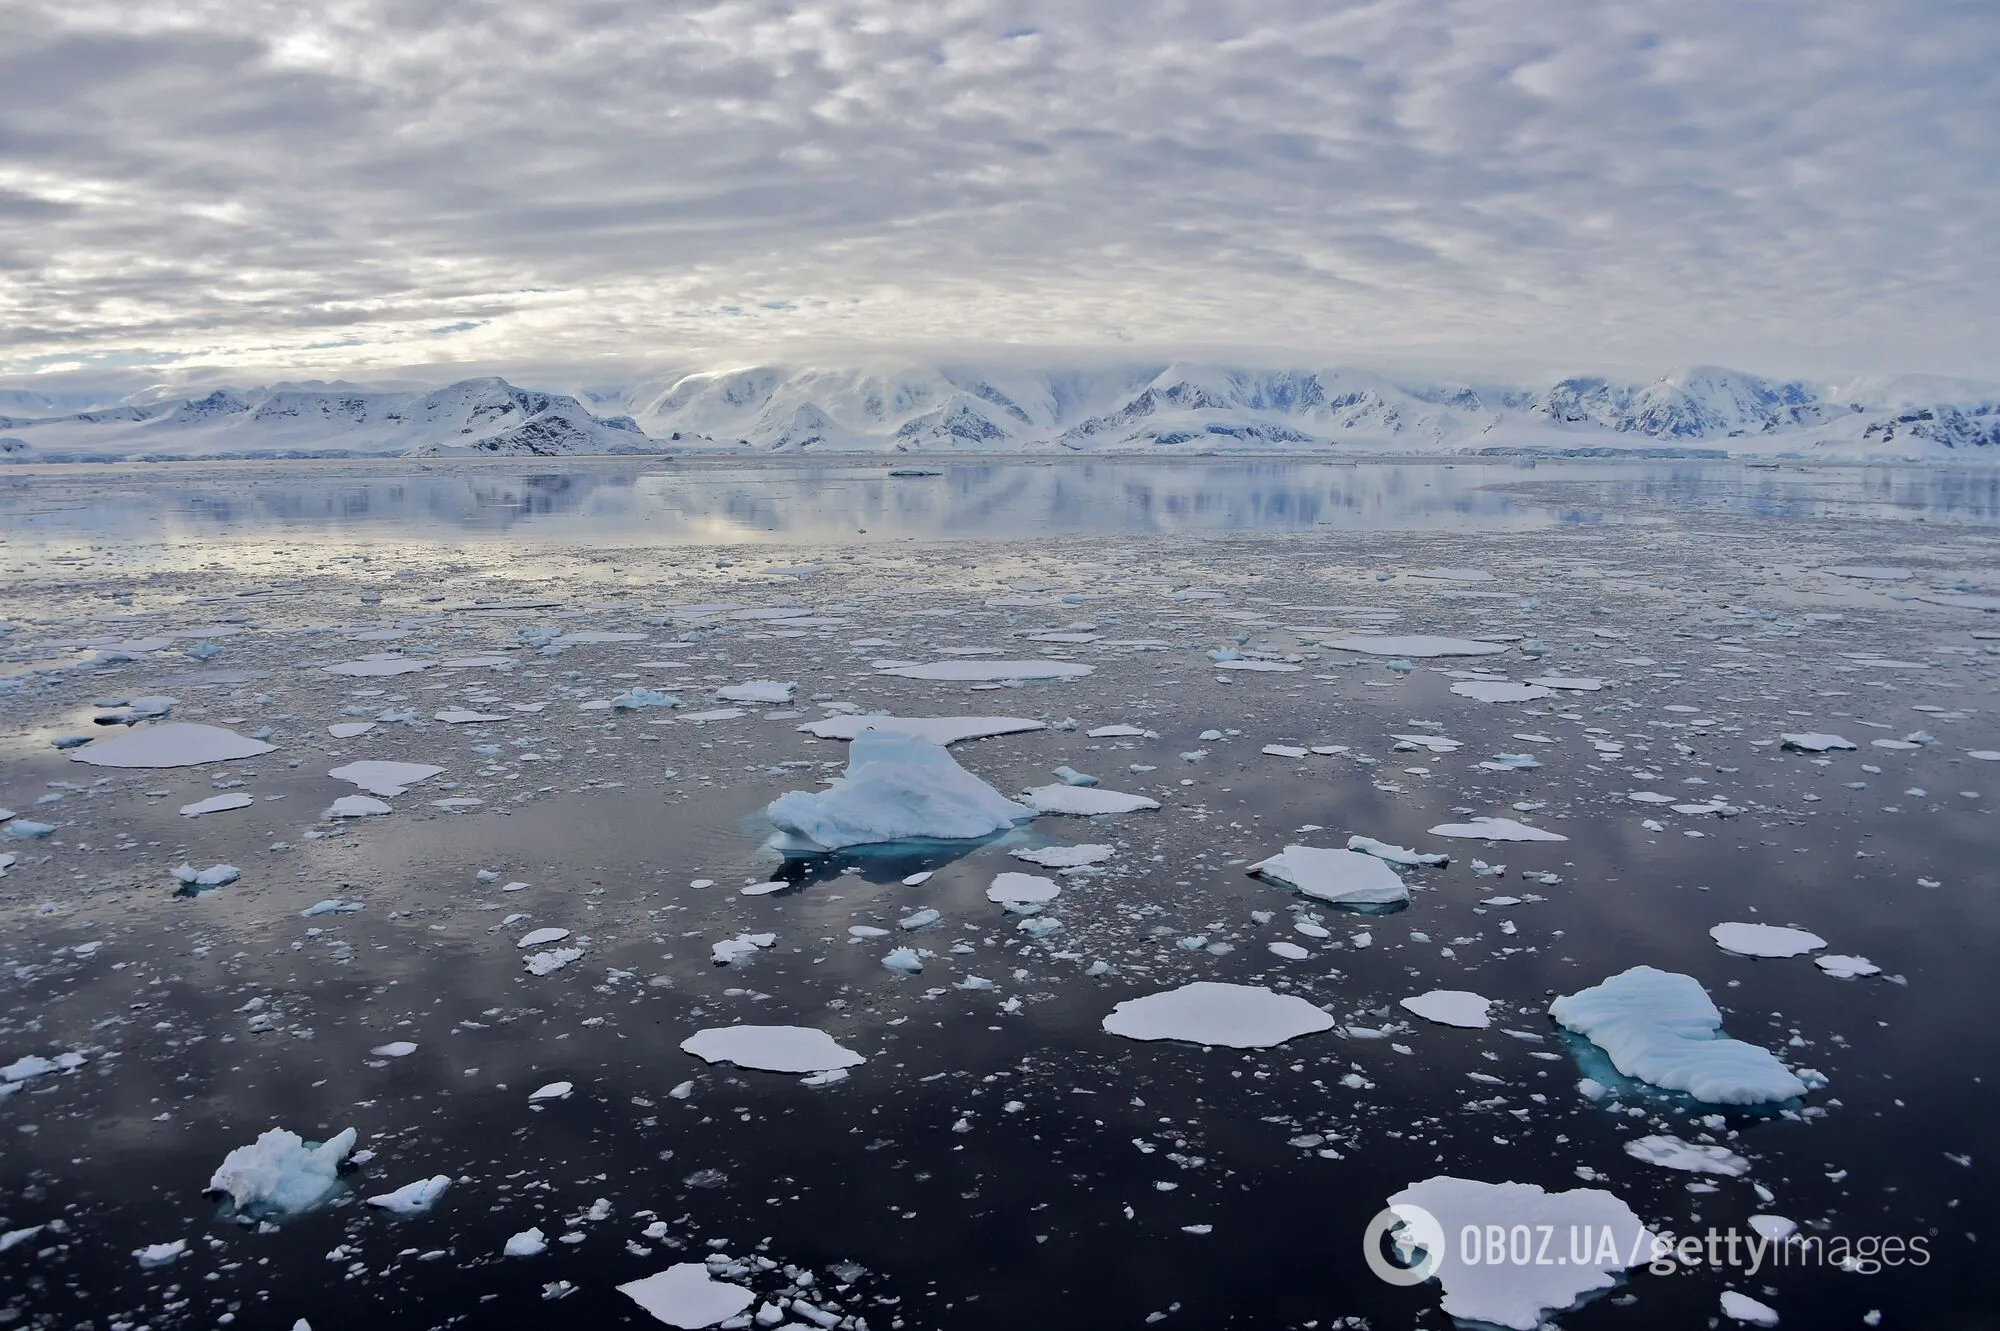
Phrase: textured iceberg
{"type": "Point", "coordinates": [1343, 877]}
{"type": "Point", "coordinates": [1661, 1027]}
{"type": "Point", "coordinates": [896, 787]}
{"type": "Point", "coordinates": [279, 1174]}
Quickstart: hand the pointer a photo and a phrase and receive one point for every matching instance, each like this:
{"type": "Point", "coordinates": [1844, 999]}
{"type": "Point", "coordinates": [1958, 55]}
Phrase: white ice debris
{"type": "Point", "coordinates": [1065, 857]}
{"type": "Point", "coordinates": [412, 1198]}
{"type": "Point", "coordinates": [356, 806]}
{"type": "Point", "coordinates": [771, 1048]}
{"type": "Point", "coordinates": [528, 1243]}
{"type": "Point", "coordinates": [896, 787]}
{"type": "Point", "coordinates": [1417, 645]}
{"type": "Point", "coordinates": [1845, 967]}
{"type": "Point", "coordinates": [331, 906]}
{"type": "Point", "coordinates": [903, 960]}
{"type": "Point", "coordinates": [1117, 732]}
{"type": "Point", "coordinates": [161, 1254]}
{"type": "Point", "coordinates": [686, 1296]}
{"type": "Point", "coordinates": [1382, 850]}
{"type": "Point", "coordinates": [216, 804]}
{"type": "Point", "coordinates": [1575, 684]}
{"type": "Point", "coordinates": [395, 1049]}
{"type": "Point", "coordinates": [1023, 889]}
{"type": "Point", "coordinates": [280, 1174]}
{"type": "Point", "coordinates": [758, 691]}
{"type": "Point", "coordinates": [387, 779]}
{"type": "Point", "coordinates": [731, 950]}
{"type": "Point", "coordinates": [1814, 742]}
{"type": "Point", "coordinates": [1519, 1294]}
{"type": "Point", "coordinates": [34, 1065]}
{"type": "Point", "coordinates": [1452, 1007]}
{"type": "Point", "coordinates": [349, 729]}
{"type": "Point", "coordinates": [1690, 1157]}
{"type": "Point", "coordinates": [176, 744]}
{"type": "Point", "coordinates": [463, 716]}
{"type": "Point", "coordinates": [1660, 1027]}
{"type": "Point", "coordinates": [1764, 940]}
{"type": "Point", "coordinates": [215, 875]}
{"type": "Point", "coordinates": [976, 670]}
{"type": "Point", "coordinates": [555, 1090]}
{"type": "Point", "coordinates": [1741, 1307]}
{"type": "Point", "coordinates": [1344, 877]}
{"type": "Point", "coordinates": [548, 963]}
{"type": "Point", "coordinates": [1237, 1016]}
{"type": "Point", "coordinates": [1500, 690]}
{"type": "Point", "coordinates": [1495, 829]}
{"type": "Point", "coordinates": [936, 729]}
{"type": "Point", "coordinates": [1085, 801]}
{"type": "Point", "coordinates": [541, 938]}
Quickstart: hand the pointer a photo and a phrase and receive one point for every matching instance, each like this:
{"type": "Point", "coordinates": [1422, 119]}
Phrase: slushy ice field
{"type": "Point", "coordinates": [750, 920]}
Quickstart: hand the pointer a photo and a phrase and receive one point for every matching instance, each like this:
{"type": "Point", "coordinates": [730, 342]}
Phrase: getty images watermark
{"type": "Point", "coordinates": [1421, 1246]}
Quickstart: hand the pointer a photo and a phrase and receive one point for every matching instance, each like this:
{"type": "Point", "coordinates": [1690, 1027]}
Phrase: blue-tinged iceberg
{"type": "Point", "coordinates": [897, 787]}
{"type": "Point", "coordinates": [1660, 1027]}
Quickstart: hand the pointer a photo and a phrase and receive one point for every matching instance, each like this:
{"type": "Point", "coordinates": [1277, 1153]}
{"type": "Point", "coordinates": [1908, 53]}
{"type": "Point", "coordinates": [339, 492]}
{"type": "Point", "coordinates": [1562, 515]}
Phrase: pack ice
{"type": "Point", "coordinates": [1660, 1027]}
{"type": "Point", "coordinates": [1343, 877]}
{"type": "Point", "coordinates": [279, 1174]}
{"type": "Point", "coordinates": [1207, 1012]}
{"type": "Point", "coordinates": [175, 744]}
{"type": "Point", "coordinates": [896, 787]}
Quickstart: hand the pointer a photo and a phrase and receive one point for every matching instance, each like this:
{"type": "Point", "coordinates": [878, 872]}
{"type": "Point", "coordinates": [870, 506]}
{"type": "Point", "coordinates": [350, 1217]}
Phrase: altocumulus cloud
{"type": "Point", "coordinates": [372, 182]}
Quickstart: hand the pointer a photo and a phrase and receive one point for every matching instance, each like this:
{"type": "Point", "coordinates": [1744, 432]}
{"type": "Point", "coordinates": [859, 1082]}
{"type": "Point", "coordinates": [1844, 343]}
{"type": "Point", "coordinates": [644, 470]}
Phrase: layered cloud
{"type": "Point", "coordinates": [1792, 186]}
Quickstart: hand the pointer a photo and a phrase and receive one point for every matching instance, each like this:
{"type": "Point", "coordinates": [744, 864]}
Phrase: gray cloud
{"type": "Point", "coordinates": [1788, 184]}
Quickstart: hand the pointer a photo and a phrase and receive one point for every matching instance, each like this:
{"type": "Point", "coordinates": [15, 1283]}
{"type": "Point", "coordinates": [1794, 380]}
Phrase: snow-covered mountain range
{"type": "Point", "coordinates": [1176, 408]}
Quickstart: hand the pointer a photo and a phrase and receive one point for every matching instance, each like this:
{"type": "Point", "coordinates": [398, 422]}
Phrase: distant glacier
{"type": "Point", "coordinates": [1156, 408]}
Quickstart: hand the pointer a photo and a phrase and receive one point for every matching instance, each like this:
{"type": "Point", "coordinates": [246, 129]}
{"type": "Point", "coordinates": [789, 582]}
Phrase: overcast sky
{"type": "Point", "coordinates": [1808, 187]}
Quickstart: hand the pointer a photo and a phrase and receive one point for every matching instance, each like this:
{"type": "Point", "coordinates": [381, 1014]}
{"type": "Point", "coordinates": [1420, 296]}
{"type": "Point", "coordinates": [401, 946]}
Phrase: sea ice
{"type": "Point", "coordinates": [175, 744]}
{"type": "Point", "coordinates": [356, 806]}
{"type": "Point", "coordinates": [1575, 684]}
{"type": "Point", "coordinates": [1065, 857]}
{"type": "Point", "coordinates": [896, 787]}
{"type": "Point", "coordinates": [1417, 645]}
{"type": "Point", "coordinates": [1846, 968]}
{"type": "Point", "coordinates": [685, 1296]}
{"type": "Point", "coordinates": [1452, 1007]}
{"type": "Point", "coordinates": [771, 1048]}
{"type": "Point", "coordinates": [541, 938]}
{"type": "Point", "coordinates": [279, 1174]}
{"type": "Point", "coordinates": [972, 671]}
{"type": "Point", "coordinates": [395, 1049]}
{"type": "Point", "coordinates": [1023, 889]}
{"type": "Point", "coordinates": [528, 1243]}
{"type": "Point", "coordinates": [1085, 801]}
{"type": "Point", "coordinates": [380, 665]}
{"type": "Point", "coordinates": [1344, 877]}
{"type": "Point", "coordinates": [1500, 690]}
{"type": "Point", "coordinates": [1764, 940]}
{"type": "Point", "coordinates": [1382, 850]}
{"type": "Point", "coordinates": [1741, 1307]}
{"type": "Point", "coordinates": [1237, 1016]}
{"type": "Point", "coordinates": [387, 779]}
{"type": "Point", "coordinates": [1690, 1157]}
{"type": "Point", "coordinates": [1813, 742]}
{"type": "Point", "coordinates": [903, 960]}
{"type": "Point", "coordinates": [1660, 1027]}
{"type": "Point", "coordinates": [412, 1198]}
{"type": "Point", "coordinates": [1495, 829]}
{"type": "Point", "coordinates": [216, 804]}
{"type": "Point", "coordinates": [936, 729]}
{"type": "Point", "coordinates": [215, 875]}
{"type": "Point", "coordinates": [1519, 1294]}
{"type": "Point", "coordinates": [768, 691]}
{"type": "Point", "coordinates": [161, 1254]}
{"type": "Point", "coordinates": [461, 716]}
{"type": "Point", "coordinates": [548, 963]}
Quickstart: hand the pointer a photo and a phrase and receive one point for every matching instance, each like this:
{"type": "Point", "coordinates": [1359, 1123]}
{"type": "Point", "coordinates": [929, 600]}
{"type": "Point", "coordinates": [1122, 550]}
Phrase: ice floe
{"type": "Point", "coordinates": [1764, 940]}
{"type": "Point", "coordinates": [1415, 645]}
{"type": "Point", "coordinates": [896, 787]}
{"type": "Point", "coordinates": [1237, 1016]}
{"type": "Point", "coordinates": [1023, 889]}
{"type": "Point", "coordinates": [771, 1048]}
{"type": "Point", "coordinates": [1065, 857]}
{"type": "Point", "coordinates": [1742, 1308]}
{"type": "Point", "coordinates": [280, 1174]}
{"type": "Point", "coordinates": [1500, 690]}
{"type": "Point", "coordinates": [1690, 1157]}
{"type": "Point", "coordinates": [174, 744]}
{"type": "Point", "coordinates": [766, 691]}
{"type": "Point", "coordinates": [1452, 1007]}
{"type": "Point", "coordinates": [974, 671]}
{"type": "Point", "coordinates": [1343, 877]}
{"type": "Point", "coordinates": [1382, 850]}
{"type": "Point", "coordinates": [1495, 829]}
{"type": "Point", "coordinates": [686, 1296]}
{"type": "Point", "coordinates": [216, 804]}
{"type": "Point", "coordinates": [357, 806]}
{"type": "Point", "coordinates": [1814, 742]}
{"type": "Point", "coordinates": [936, 729]}
{"type": "Point", "coordinates": [1661, 1027]}
{"type": "Point", "coordinates": [412, 1198]}
{"type": "Point", "coordinates": [376, 666]}
{"type": "Point", "coordinates": [541, 938]}
{"type": "Point", "coordinates": [1085, 801]}
{"type": "Point", "coordinates": [379, 777]}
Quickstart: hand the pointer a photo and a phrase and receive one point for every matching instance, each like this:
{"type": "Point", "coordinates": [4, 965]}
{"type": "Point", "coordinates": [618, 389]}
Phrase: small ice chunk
{"type": "Point", "coordinates": [904, 960]}
{"type": "Point", "coordinates": [1500, 690]}
{"type": "Point", "coordinates": [528, 1243]}
{"type": "Point", "coordinates": [217, 804]}
{"type": "Point", "coordinates": [541, 938]}
{"type": "Point", "coordinates": [1382, 850]}
{"type": "Point", "coordinates": [1452, 1007]}
{"type": "Point", "coordinates": [771, 1048]}
{"type": "Point", "coordinates": [161, 1254]}
{"type": "Point", "coordinates": [1085, 801]}
{"type": "Point", "coordinates": [1289, 951]}
{"type": "Point", "coordinates": [686, 1296]}
{"type": "Point", "coordinates": [768, 691]}
{"type": "Point", "coordinates": [280, 1174]}
{"type": "Point", "coordinates": [1743, 1308]}
{"type": "Point", "coordinates": [1764, 940]}
{"type": "Point", "coordinates": [1023, 889]}
{"type": "Point", "coordinates": [412, 1198]}
{"type": "Point", "coordinates": [1236, 1016]}
{"type": "Point", "coordinates": [356, 806]}
{"type": "Point", "coordinates": [1846, 967]}
{"type": "Point", "coordinates": [555, 1090]}
{"type": "Point", "coordinates": [1065, 857]}
{"type": "Point", "coordinates": [395, 1049]}
{"type": "Point", "coordinates": [1691, 1157]}
{"type": "Point", "coordinates": [1344, 877]}
{"type": "Point", "coordinates": [461, 716]}
{"type": "Point", "coordinates": [548, 963]}
{"type": "Point", "coordinates": [920, 919]}
{"type": "Point", "coordinates": [1417, 645]}
{"type": "Point", "coordinates": [349, 729]}
{"type": "Point", "coordinates": [387, 779]}
{"type": "Point", "coordinates": [1813, 742]}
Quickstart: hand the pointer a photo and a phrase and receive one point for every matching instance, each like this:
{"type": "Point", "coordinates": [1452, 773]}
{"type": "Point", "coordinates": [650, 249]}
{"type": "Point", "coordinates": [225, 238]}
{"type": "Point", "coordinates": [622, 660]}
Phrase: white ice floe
{"type": "Point", "coordinates": [215, 875]}
{"type": "Point", "coordinates": [686, 1296]}
{"type": "Point", "coordinates": [1452, 1007]}
{"type": "Point", "coordinates": [1117, 732]}
{"type": "Point", "coordinates": [903, 960]}
{"type": "Point", "coordinates": [331, 906]}
{"type": "Point", "coordinates": [34, 1065]}
{"type": "Point", "coordinates": [1435, 743]}
{"type": "Point", "coordinates": [732, 950]}
{"type": "Point", "coordinates": [461, 716]}
{"type": "Point", "coordinates": [1660, 1027]}
{"type": "Point", "coordinates": [412, 1198]}
{"type": "Point", "coordinates": [1254, 664]}
{"type": "Point", "coordinates": [216, 804]}
{"type": "Point", "coordinates": [769, 691]}
{"type": "Point", "coordinates": [771, 1048]}
{"type": "Point", "coordinates": [1689, 1157]}
{"type": "Point", "coordinates": [1023, 889]}
{"type": "Point", "coordinates": [1764, 940]}
{"type": "Point", "coordinates": [548, 963]}
{"type": "Point", "coordinates": [1344, 877]}
{"type": "Point", "coordinates": [373, 666]}
{"type": "Point", "coordinates": [1415, 645]}
{"type": "Point", "coordinates": [895, 787]}
{"type": "Point", "coordinates": [529, 1242]}
{"type": "Point", "coordinates": [1519, 1294]}
{"type": "Point", "coordinates": [1573, 683]}
{"type": "Point", "coordinates": [1085, 801]}
{"type": "Point", "coordinates": [541, 938]}
{"type": "Point", "coordinates": [356, 806]}
{"type": "Point", "coordinates": [714, 714]}
{"type": "Point", "coordinates": [1846, 968]}
{"type": "Point", "coordinates": [387, 779]}
{"type": "Point", "coordinates": [555, 1090]}
{"type": "Point", "coordinates": [395, 1049]}
{"type": "Point", "coordinates": [1237, 1016]}
{"type": "Point", "coordinates": [279, 1174]}
{"type": "Point", "coordinates": [1289, 951]}
{"type": "Point", "coordinates": [1495, 829]}
{"type": "Point", "coordinates": [1382, 850]}
{"type": "Point", "coordinates": [1741, 1307]}
{"type": "Point", "coordinates": [1065, 857]}
{"type": "Point", "coordinates": [1814, 742]}
{"type": "Point", "coordinates": [349, 729]}
{"type": "Point", "coordinates": [968, 671]}
{"type": "Point", "coordinates": [161, 1254]}
{"type": "Point", "coordinates": [175, 744]}
{"type": "Point", "coordinates": [1500, 690]}
{"type": "Point", "coordinates": [936, 729]}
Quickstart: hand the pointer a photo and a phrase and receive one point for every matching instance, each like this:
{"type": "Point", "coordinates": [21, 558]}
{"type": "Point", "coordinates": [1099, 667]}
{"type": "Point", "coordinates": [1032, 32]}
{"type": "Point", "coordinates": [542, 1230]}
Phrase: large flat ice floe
{"type": "Point", "coordinates": [379, 777]}
{"type": "Point", "coordinates": [1236, 1016]}
{"type": "Point", "coordinates": [175, 744]}
{"type": "Point", "coordinates": [771, 1048]}
{"type": "Point", "coordinates": [1500, 690]}
{"type": "Point", "coordinates": [279, 1174]}
{"type": "Point", "coordinates": [1495, 829]}
{"type": "Point", "coordinates": [1764, 940]}
{"type": "Point", "coordinates": [1661, 1028]}
{"type": "Point", "coordinates": [978, 671]}
{"type": "Point", "coordinates": [1608, 1238]}
{"type": "Point", "coordinates": [1343, 877]}
{"type": "Point", "coordinates": [1420, 644]}
{"type": "Point", "coordinates": [1452, 1007]}
{"type": "Point", "coordinates": [936, 729]}
{"type": "Point", "coordinates": [1086, 801]}
{"type": "Point", "coordinates": [896, 787]}
{"type": "Point", "coordinates": [686, 1296]}
{"type": "Point", "coordinates": [1688, 1157]}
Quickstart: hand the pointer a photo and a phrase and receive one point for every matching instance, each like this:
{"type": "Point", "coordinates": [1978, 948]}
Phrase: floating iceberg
{"type": "Point", "coordinates": [1500, 690]}
{"type": "Point", "coordinates": [1236, 1016]}
{"type": "Point", "coordinates": [1661, 1027]}
{"type": "Point", "coordinates": [1086, 801]}
{"type": "Point", "coordinates": [1452, 1007]}
{"type": "Point", "coordinates": [771, 1048]}
{"type": "Point", "coordinates": [176, 744]}
{"type": "Point", "coordinates": [685, 1296]}
{"type": "Point", "coordinates": [1764, 940]}
{"type": "Point", "coordinates": [279, 1174]}
{"type": "Point", "coordinates": [412, 1198]}
{"type": "Point", "coordinates": [896, 787]}
{"type": "Point", "coordinates": [758, 691]}
{"type": "Point", "coordinates": [1344, 877]}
